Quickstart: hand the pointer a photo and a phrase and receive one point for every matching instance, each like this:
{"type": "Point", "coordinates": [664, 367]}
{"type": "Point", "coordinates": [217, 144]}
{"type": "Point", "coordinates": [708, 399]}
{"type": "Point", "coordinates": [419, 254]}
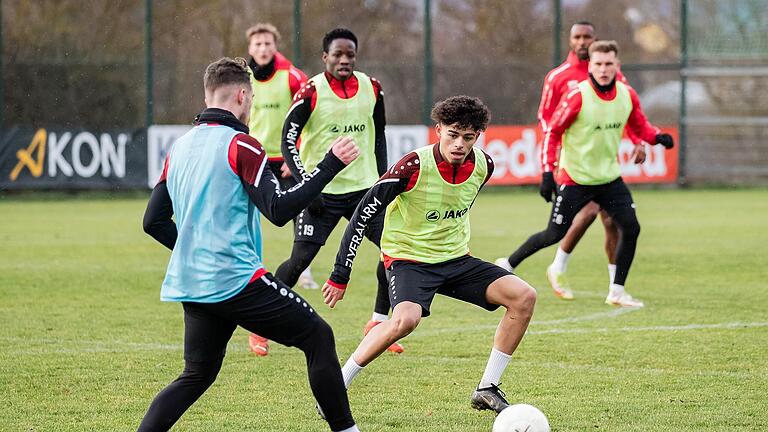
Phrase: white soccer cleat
{"type": "Point", "coordinates": [504, 263]}
{"type": "Point", "coordinates": [623, 300]}
{"type": "Point", "coordinates": [306, 280]}
{"type": "Point", "coordinates": [559, 284]}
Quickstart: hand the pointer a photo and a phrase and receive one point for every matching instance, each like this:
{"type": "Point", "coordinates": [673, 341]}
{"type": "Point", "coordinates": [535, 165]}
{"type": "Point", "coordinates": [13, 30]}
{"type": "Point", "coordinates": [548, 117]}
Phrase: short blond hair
{"type": "Point", "coordinates": [605, 46]}
{"type": "Point", "coordinates": [262, 28]}
{"type": "Point", "coordinates": [226, 71]}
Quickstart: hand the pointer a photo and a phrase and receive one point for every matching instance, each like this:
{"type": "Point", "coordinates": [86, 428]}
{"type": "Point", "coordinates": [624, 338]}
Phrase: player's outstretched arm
{"type": "Point", "coordinates": [374, 204]}
{"type": "Point", "coordinates": [158, 221]}
{"type": "Point", "coordinates": [263, 188]}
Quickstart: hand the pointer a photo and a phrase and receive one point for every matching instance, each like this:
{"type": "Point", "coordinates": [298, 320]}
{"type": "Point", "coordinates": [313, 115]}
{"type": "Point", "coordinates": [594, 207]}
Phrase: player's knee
{"type": "Point", "coordinates": [631, 230]}
{"type": "Point", "coordinates": [405, 324]}
{"type": "Point", "coordinates": [324, 333]}
{"type": "Point", "coordinates": [589, 212]}
{"type": "Point", "coordinates": [553, 235]}
{"type": "Point", "coordinates": [525, 300]}
{"type": "Point", "coordinates": [201, 374]}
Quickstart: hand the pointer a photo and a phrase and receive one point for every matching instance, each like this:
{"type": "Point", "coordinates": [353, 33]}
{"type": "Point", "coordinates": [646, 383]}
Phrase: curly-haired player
{"type": "Point", "coordinates": [425, 199]}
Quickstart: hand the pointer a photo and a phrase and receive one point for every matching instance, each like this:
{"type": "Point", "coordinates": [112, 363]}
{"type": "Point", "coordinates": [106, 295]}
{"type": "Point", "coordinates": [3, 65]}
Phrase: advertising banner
{"type": "Point", "coordinates": [60, 158]}
{"type": "Point", "coordinates": [516, 152]}
{"type": "Point", "coordinates": [159, 140]}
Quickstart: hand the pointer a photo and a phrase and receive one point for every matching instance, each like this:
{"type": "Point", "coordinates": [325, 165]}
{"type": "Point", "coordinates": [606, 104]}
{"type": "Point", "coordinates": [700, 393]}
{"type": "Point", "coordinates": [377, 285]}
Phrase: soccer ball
{"type": "Point", "coordinates": [521, 418]}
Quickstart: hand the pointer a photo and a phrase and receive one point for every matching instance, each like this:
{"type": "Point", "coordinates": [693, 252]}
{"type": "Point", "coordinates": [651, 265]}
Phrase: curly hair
{"type": "Point", "coordinates": [464, 111]}
{"type": "Point", "coordinates": [226, 71]}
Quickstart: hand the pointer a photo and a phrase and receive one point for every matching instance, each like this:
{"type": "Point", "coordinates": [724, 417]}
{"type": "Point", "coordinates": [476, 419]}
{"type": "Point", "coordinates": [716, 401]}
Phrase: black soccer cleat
{"type": "Point", "coordinates": [489, 398]}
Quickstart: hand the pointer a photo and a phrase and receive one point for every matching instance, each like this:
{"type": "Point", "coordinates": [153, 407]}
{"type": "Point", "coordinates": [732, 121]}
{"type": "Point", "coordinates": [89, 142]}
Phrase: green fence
{"type": "Point", "coordinates": [701, 64]}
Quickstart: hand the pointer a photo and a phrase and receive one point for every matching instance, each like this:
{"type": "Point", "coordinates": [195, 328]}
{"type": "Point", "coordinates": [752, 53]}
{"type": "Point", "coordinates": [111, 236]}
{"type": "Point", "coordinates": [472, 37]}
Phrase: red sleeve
{"type": "Point", "coordinates": [296, 79]}
{"type": "Point", "coordinates": [247, 158]}
{"type": "Point", "coordinates": [635, 140]}
{"type": "Point", "coordinates": [378, 90]}
{"type": "Point", "coordinates": [550, 95]}
{"type": "Point", "coordinates": [308, 93]}
{"type": "Point", "coordinates": [565, 114]}
{"type": "Point", "coordinates": [489, 162]}
{"type": "Point", "coordinates": [405, 168]}
{"type": "Point", "coordinates": [637, 123]}
{"type": "Point", "coordinates": [164, 174]}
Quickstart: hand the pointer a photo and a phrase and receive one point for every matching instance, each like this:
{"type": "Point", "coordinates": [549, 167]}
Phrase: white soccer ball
{"type": "Point", "coordinates": [521, 418]}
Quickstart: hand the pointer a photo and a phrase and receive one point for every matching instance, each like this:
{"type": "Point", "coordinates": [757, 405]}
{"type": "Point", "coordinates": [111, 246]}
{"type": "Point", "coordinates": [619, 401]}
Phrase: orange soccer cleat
{"type": "Point", "coordinates": [395, 347]}
{"type": "Point", "coordinates": [258, 345]}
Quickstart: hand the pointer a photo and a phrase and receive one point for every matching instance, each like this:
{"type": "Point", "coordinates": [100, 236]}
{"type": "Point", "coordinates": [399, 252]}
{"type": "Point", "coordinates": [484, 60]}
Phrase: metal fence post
{"type": "Point", "coordinates": [682, 122]}
{"type": "Point", "coordinates": [149, 64]}
{"type": "Point", "coordinates": [297, 33]}
{"type": "Point", "coordinates": [557, 53]}
{"type": "Point", "coordinates": [427, 107]}
{"type": "Point", "coordinates": [2, 76]}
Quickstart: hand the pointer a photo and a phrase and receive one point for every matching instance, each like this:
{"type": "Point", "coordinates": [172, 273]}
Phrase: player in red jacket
{"type": "Point", "coordinates": [557, 83]}
{"type": "Point", "coordinates": [588, 125]}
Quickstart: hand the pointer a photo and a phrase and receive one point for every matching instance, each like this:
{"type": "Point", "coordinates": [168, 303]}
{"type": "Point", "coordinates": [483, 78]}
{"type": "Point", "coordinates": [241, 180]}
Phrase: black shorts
{"type": "Point", "coordinates": [265, 306]}
{"type": "Point", "coordinates": [465, 278]}
{"type": "Point", "coordinates": [316, 223]}
{"type": "Point", "coordinates": [612, 197]}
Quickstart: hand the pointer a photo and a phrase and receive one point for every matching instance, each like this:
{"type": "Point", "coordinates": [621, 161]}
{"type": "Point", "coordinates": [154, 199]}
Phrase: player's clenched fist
{"type": "Point", "coordinates": [332, 295]}
{"type": "Point", "coordinates": [345, 149]}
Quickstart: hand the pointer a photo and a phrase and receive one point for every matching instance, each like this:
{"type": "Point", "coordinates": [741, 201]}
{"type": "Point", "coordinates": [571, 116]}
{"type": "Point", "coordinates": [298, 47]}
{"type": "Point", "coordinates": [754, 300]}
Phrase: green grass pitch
{"type": "Point", "coordinates": [85, 343]}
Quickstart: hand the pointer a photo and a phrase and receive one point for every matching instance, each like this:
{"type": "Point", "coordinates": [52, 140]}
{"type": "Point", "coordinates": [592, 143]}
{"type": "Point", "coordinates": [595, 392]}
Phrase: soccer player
{"type": "Point", "coordinates": [274, 81]}
{"type": "Point", "coordinates": [339, 101]}
{"type": "Point", "coordinates": [588, 123]}
{"type": "Point", "coordinates": [216, 184]}
{"type": "Point", "coordinates": [426, 198]}
{"type": "Point", "coordinates": [558, 82]}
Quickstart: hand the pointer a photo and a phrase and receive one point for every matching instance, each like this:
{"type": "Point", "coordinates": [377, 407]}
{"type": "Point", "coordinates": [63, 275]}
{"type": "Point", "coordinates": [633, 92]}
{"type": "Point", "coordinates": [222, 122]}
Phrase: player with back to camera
{"type": "Point", "coordinates": [588, 123]}
{"type": "Point", "coordinates": [426, 198]}
{"type": "Point", "coordinates": [339, 101]}
{"type": "Point", "coordinates": [216, 184]}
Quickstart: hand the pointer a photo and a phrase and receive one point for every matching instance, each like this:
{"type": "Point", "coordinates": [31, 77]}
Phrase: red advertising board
{"type": "Point", "coordinates": [516, 152]}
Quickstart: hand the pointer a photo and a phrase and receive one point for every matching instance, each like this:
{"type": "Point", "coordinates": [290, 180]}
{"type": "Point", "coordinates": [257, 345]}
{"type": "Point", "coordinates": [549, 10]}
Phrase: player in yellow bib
{"type": "Point", "coordinates": [274, 82]}
{"type": "Point", "coordinates": [589, 122]}
{"type": "Point", "coordinates": [426, 198]}
{"type": "Point", "coordinates": [338, 102]}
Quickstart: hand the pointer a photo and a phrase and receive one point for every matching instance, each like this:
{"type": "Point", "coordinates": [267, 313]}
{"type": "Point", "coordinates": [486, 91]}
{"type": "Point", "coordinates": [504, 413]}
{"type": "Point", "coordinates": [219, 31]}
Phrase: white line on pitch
{"type": "Point", "coordinates": [123, 346]}
{"type": "Point", "coordinates": [466, 329]}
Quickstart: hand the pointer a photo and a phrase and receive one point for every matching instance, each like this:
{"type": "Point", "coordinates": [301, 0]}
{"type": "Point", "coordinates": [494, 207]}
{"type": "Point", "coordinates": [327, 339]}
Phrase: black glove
{"type": "Point", "coordinates": [665, 140]}
{"type": "Point", "coordinates": [316, 207]}
{"type": "Point", "coordinates": [548, 186]}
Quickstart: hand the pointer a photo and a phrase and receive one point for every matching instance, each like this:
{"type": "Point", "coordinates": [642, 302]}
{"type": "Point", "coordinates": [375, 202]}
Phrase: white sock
{"type": "Point", "coordinates": [497, 362]}
{"type": "Point", "coordinates": [560, 264]}
{"type": "Point", "coordinates": [379, 317]}
{"type": "Point", "coordinates": [611, 272]}
{"type": "Point", "coordinates": [616, 290]}
{"type": "Point", "coordinates": [351, 429]}
{"type": "Point", "coordinates": [307, 273]}
{"type": "Point", "coordinates": [350, 371]}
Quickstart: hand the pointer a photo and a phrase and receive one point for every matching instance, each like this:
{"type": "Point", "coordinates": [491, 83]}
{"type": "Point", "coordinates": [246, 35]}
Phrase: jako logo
{"type": "Point", "coordinates": [335, 128]}
{"type": "Point", "coordinates": [434, 215]}
{"type": "Point", "coordinates": [104, 155]}
{"type": "Point", "coordinates": [610, 126]}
